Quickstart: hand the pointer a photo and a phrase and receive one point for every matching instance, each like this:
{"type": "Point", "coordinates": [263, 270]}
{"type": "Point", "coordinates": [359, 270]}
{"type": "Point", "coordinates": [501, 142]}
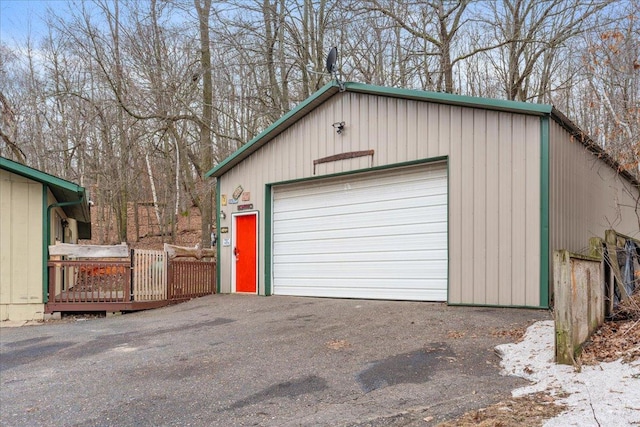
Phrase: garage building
{"type": "Point", "coordinates": [373, 192]}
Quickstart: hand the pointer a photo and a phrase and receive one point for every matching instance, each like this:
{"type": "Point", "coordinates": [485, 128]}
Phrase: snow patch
{"type": "Point", "coordinates": [605, 394]}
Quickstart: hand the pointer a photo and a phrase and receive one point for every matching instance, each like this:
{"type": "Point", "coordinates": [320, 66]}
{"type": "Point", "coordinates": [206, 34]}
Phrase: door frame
{"type": "Point", "coordinates": [234, 238]}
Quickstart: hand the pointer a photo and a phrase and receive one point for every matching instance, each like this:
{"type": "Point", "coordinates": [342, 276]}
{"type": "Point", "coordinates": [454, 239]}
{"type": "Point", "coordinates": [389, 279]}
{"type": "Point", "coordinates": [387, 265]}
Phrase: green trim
{"type": "Point", "coordinates": [46, 207]}
{"type": "Point", "coordinates": [593, 147]}
{"type": "Point", "coordinates": [62, 190]}
{"type": "Point", "coordinates": [544, 211]}
{"type": "Point", "coordinates": [219, 237]}
{"type": "Point", "coordinates": [46, 236]}
{"type": "Point", "coordinates": [452, 99]}
{"type": "Point", "coordinates": [332, 88]}
{"type": "Point", "coordinates": [268, 261]}
{"type": "Point", "coordinates": [300, 110]}
{"type": "Point", "coordinates": [360, 171]}
{"type": "Point", "coordinates": [39, 176]}
{"type": "Point", "coordinates": [257, 213]}
{"type": "Point", "coordinates": [448, 235]}
{"type": "Point", "coordinates": [268, 207]}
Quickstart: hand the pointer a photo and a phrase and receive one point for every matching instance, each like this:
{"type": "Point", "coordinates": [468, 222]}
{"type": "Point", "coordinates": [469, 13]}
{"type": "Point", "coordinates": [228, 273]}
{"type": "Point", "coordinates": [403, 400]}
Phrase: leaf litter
{"type": "Point", "coordinates": [603, 388]}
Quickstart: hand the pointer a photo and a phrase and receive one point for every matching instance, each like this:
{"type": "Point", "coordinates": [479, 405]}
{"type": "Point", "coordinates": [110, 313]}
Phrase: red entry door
{"type": "Point", "coordinates": [245, 253]}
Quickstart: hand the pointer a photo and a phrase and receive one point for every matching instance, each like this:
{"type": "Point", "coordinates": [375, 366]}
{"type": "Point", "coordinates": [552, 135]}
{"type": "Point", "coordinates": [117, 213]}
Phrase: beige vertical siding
{"type": "Point", "coordinates": [73, 231]}
{"type": "Point", "coordinates": [21, 248]}
{"type": "Point", "coordinates": [586, 196]}
{"type": "Point", "coordinates": [494, 181]}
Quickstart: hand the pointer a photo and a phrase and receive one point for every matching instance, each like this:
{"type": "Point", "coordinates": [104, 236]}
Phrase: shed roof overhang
{"type": "Point", "coordinates": [332, 88]}
{"type": "Point", "coordinates": [592, 146]}
{"type": "Point", "coordinates": [64, 192]}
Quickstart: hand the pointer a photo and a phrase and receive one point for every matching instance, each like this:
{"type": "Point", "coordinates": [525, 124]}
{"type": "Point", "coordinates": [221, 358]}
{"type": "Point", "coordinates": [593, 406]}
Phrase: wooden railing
{"type": "Point", "coordinates": [190, 279]}
{"type": "Point", "coordinates": [89, 281]}
{"type": "Point", "coordinates": [150, 282]}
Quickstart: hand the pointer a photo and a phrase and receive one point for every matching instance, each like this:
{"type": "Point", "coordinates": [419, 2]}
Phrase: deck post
{"type": "Point", "coordinates": [131, 268]}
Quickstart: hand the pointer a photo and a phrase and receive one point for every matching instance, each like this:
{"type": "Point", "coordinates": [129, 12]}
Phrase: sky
{"type": "Point", "coordinates": [21, 18]}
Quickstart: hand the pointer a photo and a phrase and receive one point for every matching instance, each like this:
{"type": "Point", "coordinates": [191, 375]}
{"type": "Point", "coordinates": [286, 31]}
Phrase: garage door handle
{"type": "Point", "coordinates": [236, 252]}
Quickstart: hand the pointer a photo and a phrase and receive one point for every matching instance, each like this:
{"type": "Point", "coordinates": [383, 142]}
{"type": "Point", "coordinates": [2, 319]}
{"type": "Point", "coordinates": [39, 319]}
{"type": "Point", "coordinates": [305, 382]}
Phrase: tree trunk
{"type": "Point", "coordinates": [203, 8]}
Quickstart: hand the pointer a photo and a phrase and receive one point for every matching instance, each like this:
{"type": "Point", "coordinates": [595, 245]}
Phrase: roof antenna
{"type": "Point", "coordinates": [332, 59]}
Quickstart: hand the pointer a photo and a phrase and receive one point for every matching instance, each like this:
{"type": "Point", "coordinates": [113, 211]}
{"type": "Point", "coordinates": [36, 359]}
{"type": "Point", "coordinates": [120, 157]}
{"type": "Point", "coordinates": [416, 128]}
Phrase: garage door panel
{"type": "Point", "coordinates": [378, 256]}
{"type": "Point", "coordinates": [380, 235]}
{"type": "Point", "coordinates": [369, 283]}
{"type": "Point", "coordinates": [407, 215]}
{"type": "Point", "coordinates": [434, 290]}
{"type": "Point", "coordinates": [408, 231]}
{"type": "Point", "coordinates": [354, 270]}
{"type": "Point", "coordinates": [326, 209]}
{"type": "Point", "coordinates": [351, 197]}
{"type": "Point", "coordinates": [427, 180]}
{"type": "Point", "coordinates": [400, 294]}
{"type": "Point", "coordinates": [361, 244]}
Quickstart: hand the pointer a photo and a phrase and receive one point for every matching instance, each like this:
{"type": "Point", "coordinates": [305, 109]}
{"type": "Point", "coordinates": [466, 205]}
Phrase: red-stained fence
{"type": "Point", "coordinates": [190, 279]}
{"type": "Point", "coordinates": [89, 281]}
{"type": "Point", "coordinates": [148, 279]}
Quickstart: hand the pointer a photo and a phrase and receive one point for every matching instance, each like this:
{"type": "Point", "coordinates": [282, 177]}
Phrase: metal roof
{"type": "Point", "coordinates": [333, 88]}
{"type": "Point", "coordinates": [63, 191]}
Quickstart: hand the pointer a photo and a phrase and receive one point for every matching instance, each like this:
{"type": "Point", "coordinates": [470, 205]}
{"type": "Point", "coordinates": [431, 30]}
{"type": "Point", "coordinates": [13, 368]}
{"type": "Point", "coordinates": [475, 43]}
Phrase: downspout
{"type": "Point", "coordinates": [545, 171]}
{"type": "Point", "coordinates": [45, 285]}
{"type": "Point", "coordinates": [218, 236]}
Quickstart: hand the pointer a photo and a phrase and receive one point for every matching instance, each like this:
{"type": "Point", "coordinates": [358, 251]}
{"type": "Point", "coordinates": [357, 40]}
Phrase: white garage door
{"type": "Point", "coordinates": [380, 235]}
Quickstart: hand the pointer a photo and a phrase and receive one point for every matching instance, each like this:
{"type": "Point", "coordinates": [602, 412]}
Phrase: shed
{"type": "Point", "coordinates": [364, 191]}
{"type": "Point", "coordinates": [36, 209]}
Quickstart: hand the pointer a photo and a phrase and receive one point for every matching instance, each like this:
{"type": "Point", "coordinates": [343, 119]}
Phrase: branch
{"type": "Point", "coordinates": [22, 157]}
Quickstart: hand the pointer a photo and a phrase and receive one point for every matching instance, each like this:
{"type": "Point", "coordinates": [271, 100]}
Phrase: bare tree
{"type": "Point", "coordinates": [8, 123]}
{"type": "Point", "coordinates": [612, 69]}
{"type": "Point", "coordinates": [435, 24]}
{"type": "Point", "coordinates": [137, 100]}
{"type": "Point", "coordinates": [203, 8]}
{"type": "Point", "coordinates": [529, 35]}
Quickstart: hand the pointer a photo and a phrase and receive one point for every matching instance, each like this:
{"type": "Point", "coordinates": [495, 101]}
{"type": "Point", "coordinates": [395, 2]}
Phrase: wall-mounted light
{"type": "Point", "coordinates": [223, 215]}
{"type": "Point", "coordinates": [338, 126]}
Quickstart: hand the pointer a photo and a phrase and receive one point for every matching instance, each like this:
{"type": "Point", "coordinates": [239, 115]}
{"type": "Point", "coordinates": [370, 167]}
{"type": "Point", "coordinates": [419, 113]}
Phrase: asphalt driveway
{"type": "Point", "coordinates": [227, 360]}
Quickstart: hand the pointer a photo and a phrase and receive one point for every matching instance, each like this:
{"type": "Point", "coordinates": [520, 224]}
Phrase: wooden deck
{"type": "Point", "coordinates": [110, 286]}
{"type": "Point", "coordinates": [111, 307]}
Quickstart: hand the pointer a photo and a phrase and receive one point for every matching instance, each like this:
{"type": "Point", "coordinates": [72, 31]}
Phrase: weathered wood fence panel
{"type": "Point", "coordinates": [191, 279]}
{"type": "Point", "coordinates": [579, 301]}
{"type": "Point", "coordinates": [149, 275]}
{"type": "Point", "coordinates": [186, 252]}
{"type": "Point", "coordinates": [89, 251]}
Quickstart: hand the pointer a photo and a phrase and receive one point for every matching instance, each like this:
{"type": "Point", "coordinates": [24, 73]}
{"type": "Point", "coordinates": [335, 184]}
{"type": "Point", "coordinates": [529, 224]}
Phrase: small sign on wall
{"type": "Point", "coordinates": [224, 230]}
{"type": "Point", "coordinates": [246, 196]}
{"type": "Point", "coordinates": [237, 192]}
{"type": "Point", "coordinates": [245, 207]}
{"type": "Point", "coordinates": [226, 242]}
{"type": "Point", "coordinates": [223, 199]}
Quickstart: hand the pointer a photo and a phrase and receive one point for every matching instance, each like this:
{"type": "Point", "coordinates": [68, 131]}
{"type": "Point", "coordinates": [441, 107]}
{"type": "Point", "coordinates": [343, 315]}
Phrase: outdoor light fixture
{"type": "Point", "coordinates": [223, 215]}
{"type": "Point", "coordinates": [338, 126]}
